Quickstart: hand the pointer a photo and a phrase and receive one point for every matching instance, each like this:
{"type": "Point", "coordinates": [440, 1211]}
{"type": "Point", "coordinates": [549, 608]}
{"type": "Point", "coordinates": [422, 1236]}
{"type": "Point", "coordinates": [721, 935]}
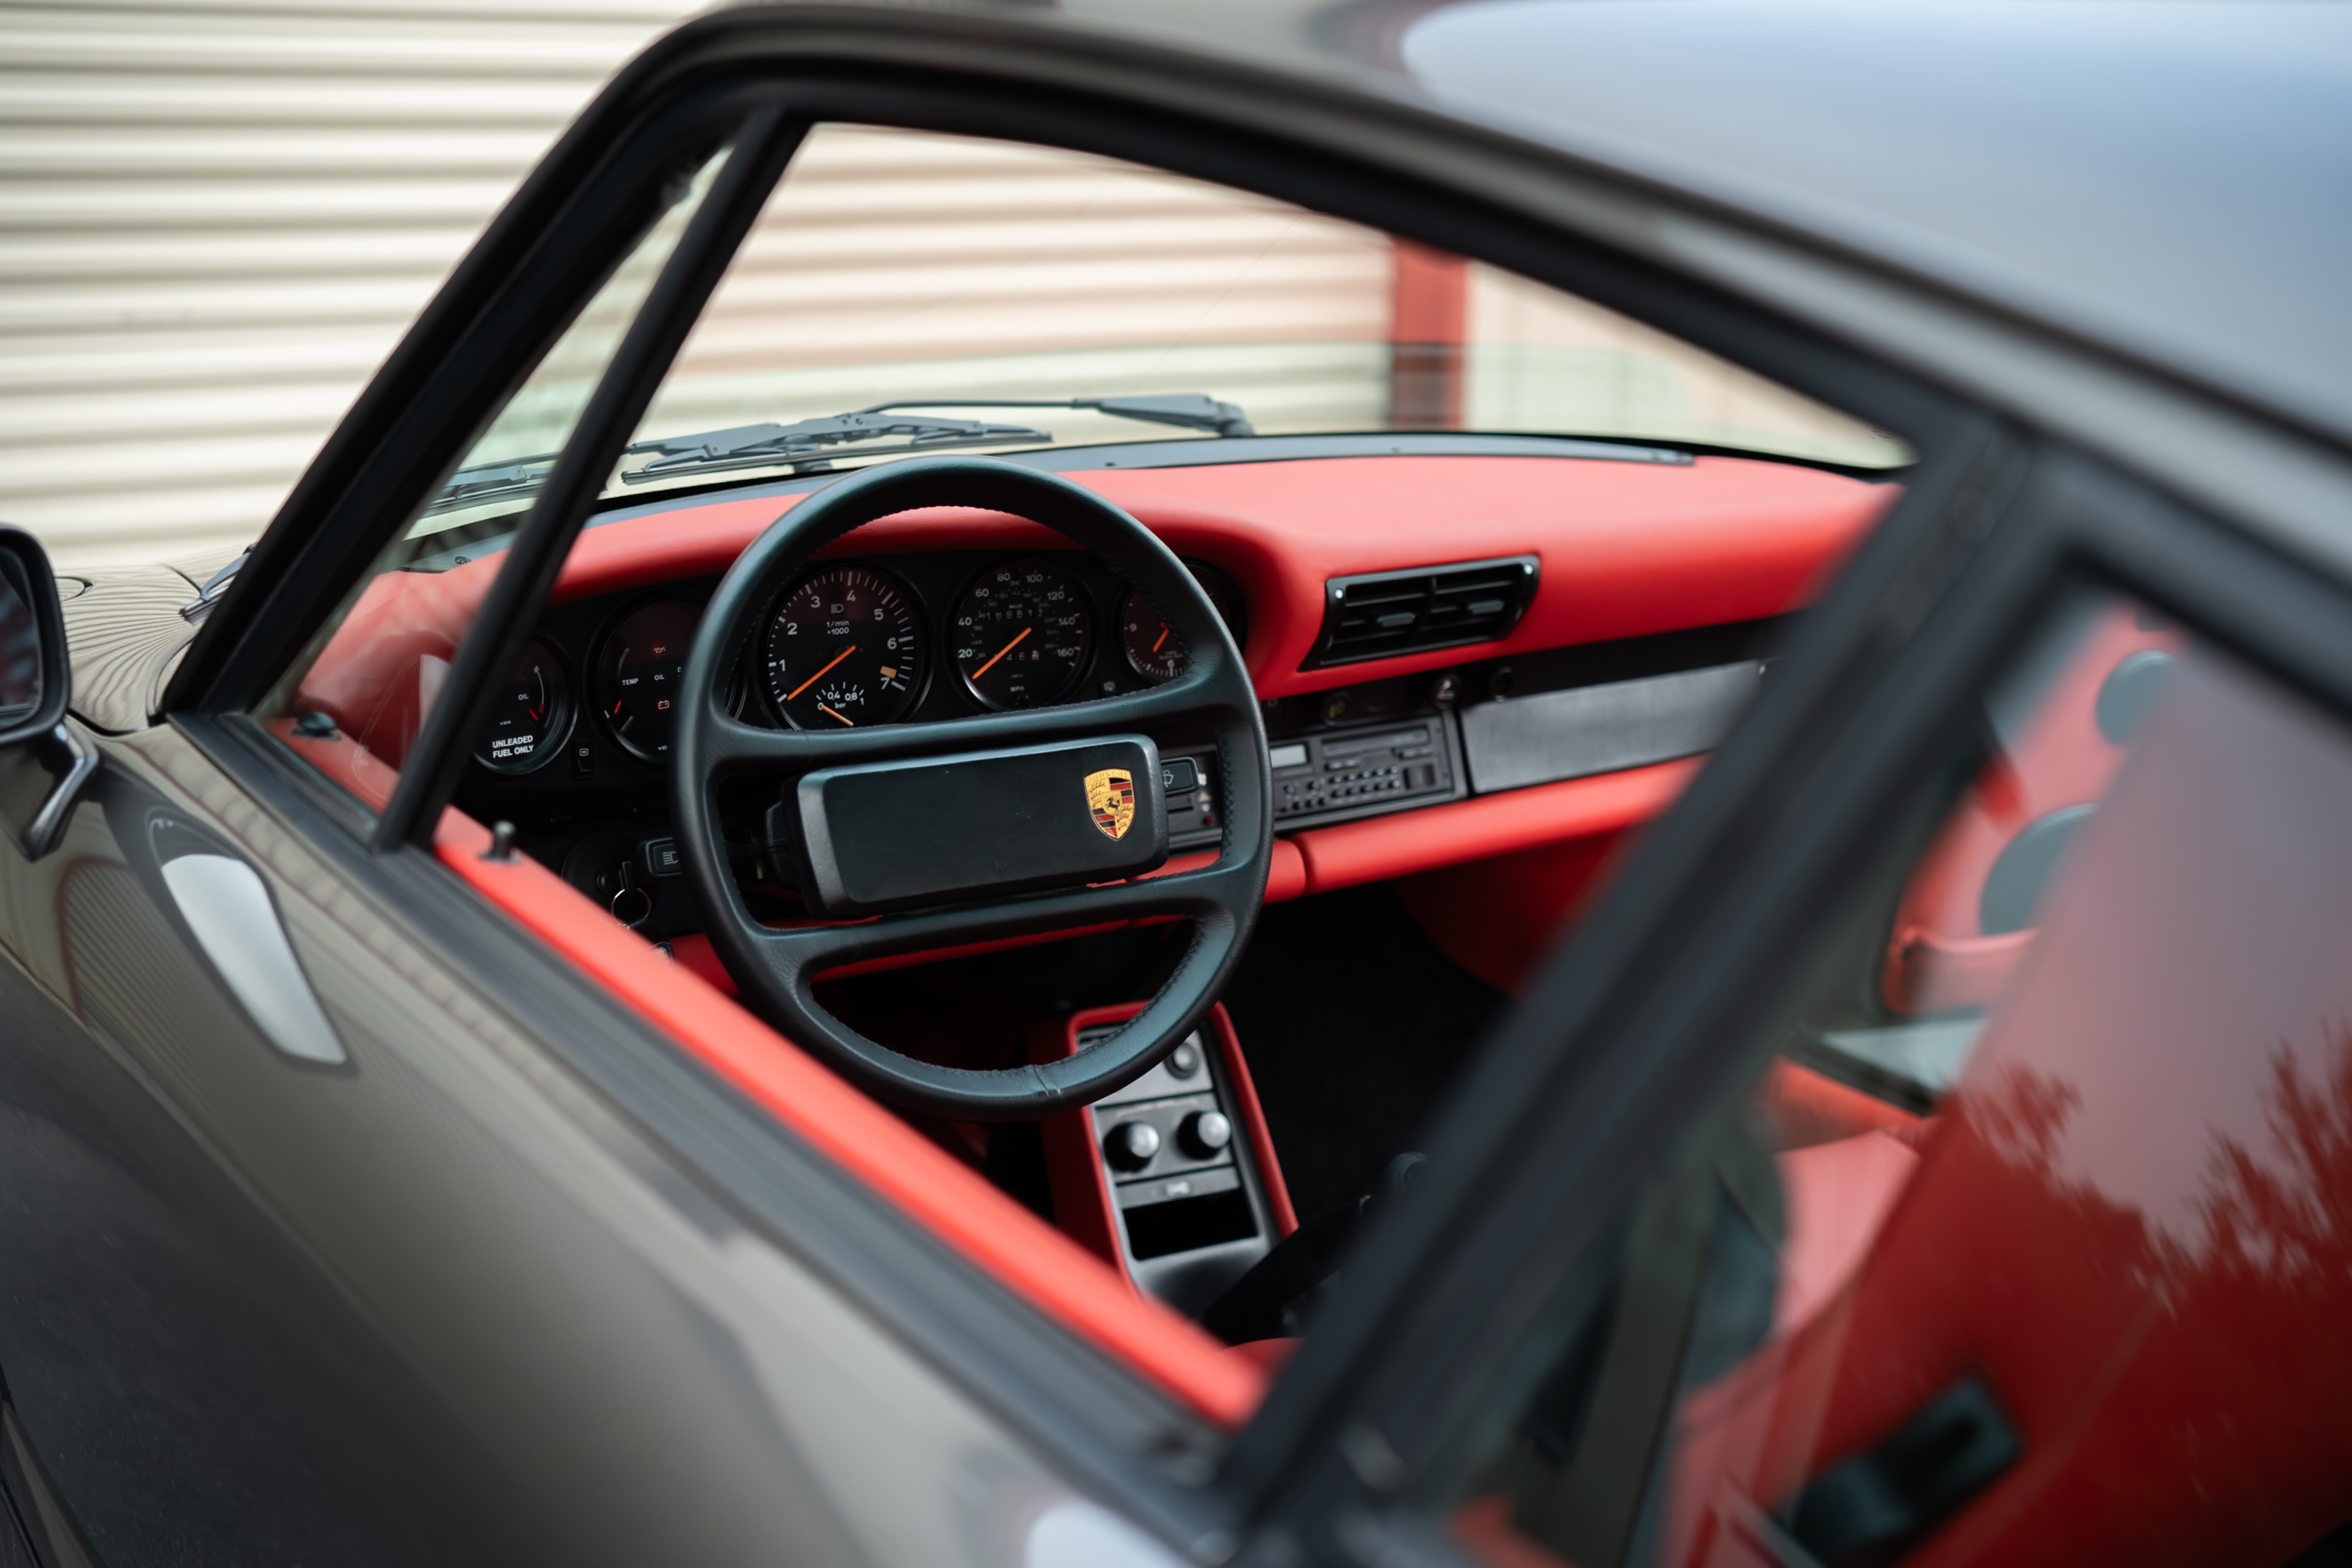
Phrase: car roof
{"type": "Point", "coordinates": [2171, 179]}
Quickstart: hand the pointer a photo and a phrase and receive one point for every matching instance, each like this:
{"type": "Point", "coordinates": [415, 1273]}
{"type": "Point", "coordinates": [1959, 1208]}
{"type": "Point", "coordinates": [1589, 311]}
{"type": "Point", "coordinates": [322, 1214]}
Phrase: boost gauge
{"type": "Point", "coordinates": [1022, 633]}
{"type": "Point", "coordinates": [844, 648]}
{"type": "Point", "coordinates": [1151, 648]}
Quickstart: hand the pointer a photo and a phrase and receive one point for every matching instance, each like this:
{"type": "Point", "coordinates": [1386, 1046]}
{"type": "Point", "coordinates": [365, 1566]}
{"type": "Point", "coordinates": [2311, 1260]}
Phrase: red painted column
{"type": "Point", "coordinates": [1429, 311]}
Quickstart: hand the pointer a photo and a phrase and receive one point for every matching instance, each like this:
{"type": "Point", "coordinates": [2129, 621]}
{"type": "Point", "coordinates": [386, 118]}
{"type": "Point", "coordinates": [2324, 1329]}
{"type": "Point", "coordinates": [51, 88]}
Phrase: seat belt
{"type": "Point", "coordinates": [1592, 1510]}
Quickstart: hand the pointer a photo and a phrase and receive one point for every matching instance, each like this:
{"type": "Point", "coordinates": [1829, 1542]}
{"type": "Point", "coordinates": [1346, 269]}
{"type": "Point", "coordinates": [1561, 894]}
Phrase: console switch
{"type": "Point", "coordinates": [1131, 1146]}
{"type": "Point", "coordinates": [1206, 1132]}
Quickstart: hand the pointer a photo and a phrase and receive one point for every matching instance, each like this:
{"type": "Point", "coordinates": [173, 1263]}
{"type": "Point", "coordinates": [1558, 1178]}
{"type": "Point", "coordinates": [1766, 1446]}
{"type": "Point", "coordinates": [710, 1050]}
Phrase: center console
{"type": "Point", "coordinates": [1172, 1177]}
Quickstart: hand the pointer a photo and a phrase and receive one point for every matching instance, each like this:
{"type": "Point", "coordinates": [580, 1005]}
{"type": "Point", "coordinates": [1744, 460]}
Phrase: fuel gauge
{"type": "Point", "coordinates": [532, 715]}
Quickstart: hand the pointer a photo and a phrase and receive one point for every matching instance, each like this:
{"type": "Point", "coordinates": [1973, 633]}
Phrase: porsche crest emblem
{"type": "Point", "coordinates": [1110, 798]}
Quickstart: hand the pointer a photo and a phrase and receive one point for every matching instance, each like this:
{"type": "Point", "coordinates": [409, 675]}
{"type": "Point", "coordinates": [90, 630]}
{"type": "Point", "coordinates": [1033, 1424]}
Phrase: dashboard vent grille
{"type": "Point", "coordinates": [1383, 613]}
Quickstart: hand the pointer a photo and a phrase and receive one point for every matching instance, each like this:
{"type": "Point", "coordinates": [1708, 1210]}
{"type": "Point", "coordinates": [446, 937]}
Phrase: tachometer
{"type": "Point", "coordinates": [1022, 633]}
{"type": "Point", "coordinates": [845, 647]}
{"type": "Point", "coordinates": [641, 675]}
{"type": "Point", "coordinates": [532, 715]}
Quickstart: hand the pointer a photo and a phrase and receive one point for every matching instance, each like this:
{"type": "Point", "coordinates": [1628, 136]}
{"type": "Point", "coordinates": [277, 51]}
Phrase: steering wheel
{"type": "Point", "coordinates": [916, 837]}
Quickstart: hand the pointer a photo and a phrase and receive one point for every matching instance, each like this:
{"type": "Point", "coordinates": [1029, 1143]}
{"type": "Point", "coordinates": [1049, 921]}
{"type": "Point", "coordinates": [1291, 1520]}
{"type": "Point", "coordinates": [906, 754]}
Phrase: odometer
{"type": "Point", "coordinates": [531, 715]}
{"type": "Point", "coordinates": [843, 648]}
{"type": "Point", "coordinates": [1022, 634]}
{"type": "Point", "coordinates": [640, 673]}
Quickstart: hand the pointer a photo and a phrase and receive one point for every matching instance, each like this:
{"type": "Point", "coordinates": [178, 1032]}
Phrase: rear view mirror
{"type": "Point", "coordinates": [33, 669]}
{"type": "Point", "coordinates": [43, 764]}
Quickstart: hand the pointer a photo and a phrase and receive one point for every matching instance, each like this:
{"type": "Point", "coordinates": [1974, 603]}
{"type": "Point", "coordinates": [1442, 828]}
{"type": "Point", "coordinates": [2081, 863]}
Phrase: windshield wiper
{"type": "Point", "coordinates": [804, 441]}
{"type": "Point", "coordinates": [1190, 410]}
{"type": "Point", "coordinates": [803, 444]}
{"type": "Point", "coordinates": [491, 481]}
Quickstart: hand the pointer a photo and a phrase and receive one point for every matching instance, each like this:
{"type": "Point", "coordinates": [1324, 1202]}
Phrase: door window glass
{"type": "Point", "coordinates": [2032, 1240]}
{"type": "Point", "coordinates": [352, 706]}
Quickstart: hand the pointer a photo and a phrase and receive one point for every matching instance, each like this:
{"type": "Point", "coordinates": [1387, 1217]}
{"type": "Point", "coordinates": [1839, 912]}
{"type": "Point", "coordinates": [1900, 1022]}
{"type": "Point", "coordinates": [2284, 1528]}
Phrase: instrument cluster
{"type": "Point", "coordinates": [849, 643]}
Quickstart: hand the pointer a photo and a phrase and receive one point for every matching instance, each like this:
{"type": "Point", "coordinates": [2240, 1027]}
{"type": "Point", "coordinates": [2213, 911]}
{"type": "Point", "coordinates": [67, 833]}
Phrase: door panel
{"type": "Point", "coordinates": [435, 1302]}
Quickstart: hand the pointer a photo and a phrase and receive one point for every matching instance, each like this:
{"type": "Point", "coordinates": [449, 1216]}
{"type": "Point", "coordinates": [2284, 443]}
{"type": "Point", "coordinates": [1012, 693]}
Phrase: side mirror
{"type": "Point", "coordinates": [34, 677]}
{"type": "Point", "coordinates": [43, 764]}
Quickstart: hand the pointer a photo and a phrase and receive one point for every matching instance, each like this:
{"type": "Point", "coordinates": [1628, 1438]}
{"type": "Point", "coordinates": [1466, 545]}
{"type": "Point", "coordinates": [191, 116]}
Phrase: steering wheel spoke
{"type": "Point", "coordinates": [802, 955]}
{"type": "Point", "coordinates": [736, 747]}
{"type": "Point", "coordinates": [778, 967]}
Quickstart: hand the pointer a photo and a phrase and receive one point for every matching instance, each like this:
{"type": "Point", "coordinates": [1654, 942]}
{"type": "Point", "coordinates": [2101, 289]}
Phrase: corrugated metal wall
{"type": "Point", "coordinates": [216, 219]}
{"type": "Point", "coordinates": [217, 216]}
{"type": "Point", "coordinates": [895, 264]}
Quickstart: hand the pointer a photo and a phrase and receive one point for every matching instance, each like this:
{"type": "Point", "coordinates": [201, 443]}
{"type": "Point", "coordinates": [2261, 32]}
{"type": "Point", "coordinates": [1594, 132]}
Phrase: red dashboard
{"type": "Point", "coordinates": [1625, 550]}
{"type": "Point", "coordinates": [1632, 555]}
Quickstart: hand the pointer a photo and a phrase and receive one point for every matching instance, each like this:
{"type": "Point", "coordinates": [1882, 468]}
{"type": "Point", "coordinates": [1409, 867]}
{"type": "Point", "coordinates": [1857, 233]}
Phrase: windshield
{"type": "Point", "coordinates": [907, 291]}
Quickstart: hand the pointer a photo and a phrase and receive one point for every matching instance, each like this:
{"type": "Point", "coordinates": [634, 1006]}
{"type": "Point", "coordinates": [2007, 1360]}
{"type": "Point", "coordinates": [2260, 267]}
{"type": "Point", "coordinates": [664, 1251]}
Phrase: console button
{"type": "Point", "coordinates": [1206, 1132]}
{"type": "Point", "coordinates": [1130, 1146]}
{"type": "Point", "coordinates": [1184, 1060]}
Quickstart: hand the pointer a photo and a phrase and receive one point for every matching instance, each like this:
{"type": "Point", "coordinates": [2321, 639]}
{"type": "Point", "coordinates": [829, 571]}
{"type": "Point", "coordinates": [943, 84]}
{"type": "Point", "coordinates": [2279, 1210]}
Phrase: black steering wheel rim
{"type": "Point", "coordinates": [775, 970]}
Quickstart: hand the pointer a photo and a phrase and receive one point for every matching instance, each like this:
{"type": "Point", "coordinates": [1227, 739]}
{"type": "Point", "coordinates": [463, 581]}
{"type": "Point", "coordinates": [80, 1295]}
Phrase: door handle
{"type": "Point", "coordinates": [227, 906]}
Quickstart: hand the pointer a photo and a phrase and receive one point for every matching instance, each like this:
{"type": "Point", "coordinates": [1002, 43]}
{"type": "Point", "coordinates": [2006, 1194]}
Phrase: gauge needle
{"type": "Point", "coordinates": [820, 676]}
{"type": "Point", "coordinates": [1000, 654]}
{"type": "Point", "coordinates": [822, 708]}
{"type": "Point", "coordinates": [1162, 638]}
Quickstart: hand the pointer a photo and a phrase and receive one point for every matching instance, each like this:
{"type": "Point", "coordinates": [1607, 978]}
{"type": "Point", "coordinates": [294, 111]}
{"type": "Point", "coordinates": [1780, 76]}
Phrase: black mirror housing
{"type": "Point", "coordinates": [36, 678]}
{"type": "Point", "coordinates": [43, 763]}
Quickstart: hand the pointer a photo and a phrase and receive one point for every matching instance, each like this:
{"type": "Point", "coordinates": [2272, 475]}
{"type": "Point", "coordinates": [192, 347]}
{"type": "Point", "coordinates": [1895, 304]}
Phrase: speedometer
{"type": "Point", "coordinates": [844, 648]}
{"type": "Point", "coordinates": [1022, 633]}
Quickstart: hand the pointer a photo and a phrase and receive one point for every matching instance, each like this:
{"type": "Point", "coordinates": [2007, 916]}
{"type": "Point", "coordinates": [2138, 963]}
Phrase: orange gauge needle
{"type": "Point", "coordinates": [820, 676]}
{"type": "Point", "coordinates": [1000, 654]}
{"type": "Point", "coordinates": [1162, 638]}
{"type": "Point", "coordinates": [822, 708]}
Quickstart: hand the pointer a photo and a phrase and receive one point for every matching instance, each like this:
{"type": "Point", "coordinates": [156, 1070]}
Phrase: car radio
{"type": "Point", "coordinates": [1336, 774]}
{"type": "Point", "coordinates": [1325, 775]}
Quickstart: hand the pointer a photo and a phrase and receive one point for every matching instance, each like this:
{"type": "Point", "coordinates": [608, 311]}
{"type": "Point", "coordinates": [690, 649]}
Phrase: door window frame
{"type": "Point", "coordinates": [542, 258]}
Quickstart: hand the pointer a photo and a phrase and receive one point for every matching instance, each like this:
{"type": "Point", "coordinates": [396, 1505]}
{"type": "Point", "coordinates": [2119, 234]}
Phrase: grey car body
{"type": "Point", "coordinates": [491, 1272]}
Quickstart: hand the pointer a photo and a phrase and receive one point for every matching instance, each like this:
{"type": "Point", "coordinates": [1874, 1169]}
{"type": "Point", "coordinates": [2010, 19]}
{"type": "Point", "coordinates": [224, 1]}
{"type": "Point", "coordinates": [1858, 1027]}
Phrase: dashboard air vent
{"type": "Point", "coordinates": [1383, 613]}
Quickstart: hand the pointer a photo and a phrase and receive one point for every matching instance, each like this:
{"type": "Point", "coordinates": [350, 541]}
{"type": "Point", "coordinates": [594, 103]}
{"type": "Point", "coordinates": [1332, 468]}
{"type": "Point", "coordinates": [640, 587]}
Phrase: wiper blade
{"type": "Point", "coordinates": [806, 441]}
{"type": "Point", "coordinates": [491, 481]}
{"type": "Point", "coordinates": [1189, 411]}
{"type": "Point", "coordinates": [804, 444]}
